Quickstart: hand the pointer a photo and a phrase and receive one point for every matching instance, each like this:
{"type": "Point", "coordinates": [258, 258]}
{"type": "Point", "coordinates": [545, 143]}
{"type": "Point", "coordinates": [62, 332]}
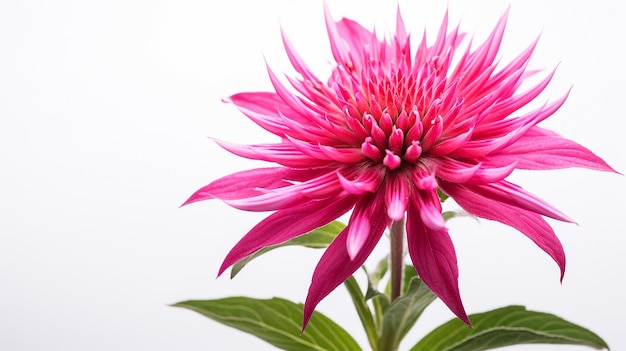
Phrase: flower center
{"type": "Point", "coordinates": [387, 111]}
{"type": "Point", "coordinates": [392, 142]}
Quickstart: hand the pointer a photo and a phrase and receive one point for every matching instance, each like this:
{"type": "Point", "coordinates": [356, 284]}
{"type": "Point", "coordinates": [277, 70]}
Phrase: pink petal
{"type": "Point", "coordinates": [337, 44]}
{"type": "Point", "coordinates": [242, 184]}
{"type": "Point", "coordinates": [519, 125]}
{"type": "Point", "coordinates": [366, 181]}
{"type": "Point", "coordinates": [476, 149]}
{"type": "Point", "coordinates": [301, 112]}
{"type": "Point", "coordinates": [434, 258]}
{"type": "Point", "coordinates": [401, 34]}
{"type": "Point", "coordinates": [520, 62]}
{"type": "Point", "coordinates": [505, 107]}
{"type": "Point", "coordinates": [262, 109]}
{"type": "Point", "coordinates": [296, 61]}
{"type": "Point", "coordinates": [320, 152]}
{"type": "Point", "coordinates": [336, 265]}
{"type": "Point", "coordinates": [397, 194]}
{"type": "Point", "coordinates": [427, 200]}
{"type": "Point", "coordinates": [513, 195]}
{"type": "Point", "coordinates": [449, 144]}
{"type": "Point", "coordinates": [527, 222]}
{"type": "Point", "coordinates": [452, 170]}
{"type": "Point", "coordinates": [354, 35]}
{"type": "Point", "coordinates": [344, 155]}
{"type": "Point", "coordinates": [490, 174]}
{"type": "Point", "coordinates": [316, 188]}
{"type": "Point", "coordinates": [483, 57]}
{"type": "Point", "coordinates": [549, 152]}
{"type": "Point", "coordinates": [308, 130]}
{"type": "Point", "coordinates": [360, 223]}
{"type": "Point", "coordinates": [284, 154]}
{"type": "Point", "coordinates": [286, 224]}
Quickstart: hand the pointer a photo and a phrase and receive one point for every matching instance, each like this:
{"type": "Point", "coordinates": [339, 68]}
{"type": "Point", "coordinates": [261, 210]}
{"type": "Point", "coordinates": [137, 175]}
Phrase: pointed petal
{"type": "Point", "coordinates": [300, 111]}
{"type": "Point", "coordinates": [287, 224]}
{"type": "Point", "coordinates": [514, 195]}
{"type": "Point", "coordinates": [426, 200]}
{"type": "Point", "coordinates": [366, 181]}
{"type": "Point", "coordinates": [483, 57]}
{"type": "Point", "coordinates": [529, 223]}
{"type": "Point", "coordinates": [262, 108]}
{"type": "Point", "coordinates": [549, 152]}
{"type": "Point", "coordinates": [490, 174]}
{"type": "Point", "coordinates": [337, 44]}
{"type": "Point", "coordinates": [244, 184]}
{"type": "Point", "coordinates": [322, 184]}
{"type": "Point", "coordinates": [329, 153]}
{"type": "Point", "coordinates": [284, 154]}
{"type": "Point", "coordinates": [401, 34]}
{"type": "Point", "coordinates": [354, 35]}
{"type": "Point", "coordinates": [336, 265]}
{"type": "Point", "coordinates": [360, 223]}
{"type": "Point", "coordinates": [434, 258]}
{"type": "Point", "coordinates": [447, 145]}
{"type": "Point", "coordinates": [397, 196]}
{"type": "Point", "coordinates": [296, 61]}
{"type": "Point", "coordinates": [517, 126]}
{"type": "Point", "coordinates": [344, 155]}
{"type": "Point", "coordinates": [452, 170]}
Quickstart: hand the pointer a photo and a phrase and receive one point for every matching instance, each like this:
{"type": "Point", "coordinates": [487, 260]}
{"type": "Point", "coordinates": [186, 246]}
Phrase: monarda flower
{"type": "Point", "coordinates": [388, 130]}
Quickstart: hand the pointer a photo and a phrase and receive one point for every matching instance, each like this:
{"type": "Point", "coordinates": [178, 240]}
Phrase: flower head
{"type": "Point", "coordinates": [390, 128]}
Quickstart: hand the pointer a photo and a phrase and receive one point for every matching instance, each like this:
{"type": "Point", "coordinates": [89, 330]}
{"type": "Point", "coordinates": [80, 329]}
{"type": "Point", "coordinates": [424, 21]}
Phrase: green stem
{"type": "Point", "coordinates": [396, 258]}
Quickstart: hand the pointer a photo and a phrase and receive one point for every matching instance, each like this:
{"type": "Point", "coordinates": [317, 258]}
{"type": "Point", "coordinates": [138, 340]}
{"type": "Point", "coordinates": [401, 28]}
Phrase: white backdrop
{"type": "Point", "coordinates": [104, 111]}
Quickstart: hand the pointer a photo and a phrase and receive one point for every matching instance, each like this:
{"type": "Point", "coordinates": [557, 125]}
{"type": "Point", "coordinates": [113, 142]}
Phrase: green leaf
{"type": "Point", "coordinates": [402, 314]}
{"type": "Point", "coordinates": [447, 215]}
{"type": "Point", "coordinates": [380, 301]}
{"type": "Point", "coordinates": [379, 272]}
{"type": "Point", "coordinates": [507, 326]}
{"type": "Point", "coordinates": [442, 196]}
{"type": "Point", "coordinates": [409, 274]}
{"type": "Point", "coordinates": [317, 239]}
{"type": "Point", "coordinates": [277, 321]}
{"type": "Point", "coordinates": [363, 310]}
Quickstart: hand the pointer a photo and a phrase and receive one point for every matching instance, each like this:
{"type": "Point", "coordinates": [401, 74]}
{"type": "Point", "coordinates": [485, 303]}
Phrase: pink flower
{"type": "Point", "coordinates": [390, 127]}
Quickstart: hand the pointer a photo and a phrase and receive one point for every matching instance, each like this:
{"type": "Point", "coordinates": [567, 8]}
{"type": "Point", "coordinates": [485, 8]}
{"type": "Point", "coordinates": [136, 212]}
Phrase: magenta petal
{"type": "Point", "coordinates": [295, 59]}
{"type": "Point", "coordinates": [336, 265]}
{"type": "Point", "coordinates": [287, 224]}
{"type": "Point", "coordinates": [434, 258]}
{"type": "Point", "coordinates": [549, 152]}
{"type": "Point", "coordinates": [345, 155]}
{"type": "Point", "coordinates": [359, 226]}
{"type": "Point", "coordinates": [317, 188]}
{"type": "Point", "coordinates": [262, 108]}
{"type": "Point", "coordinates": [492, 174]}
{"type": "Point", "coordinates": [513, 195]}
{"type": "Point", "coordinates": [397, 195]}
{"type": "Point", "coordinates": [242, 184]}
{"type": "Point", "coordinates": [355, 35]}
{"type": "Point", "coordinates": [366, 181]}
{"type": "Point", "coordinates": [284, 154]}
{"type": "Point", "coordinates": [430, 210]}
{"type": "Point", "coordinates": [452, 170]}
{"type": "Point", "coordinates": [337, 45]}
{"type": "Point", "coordinates": [527, 222]}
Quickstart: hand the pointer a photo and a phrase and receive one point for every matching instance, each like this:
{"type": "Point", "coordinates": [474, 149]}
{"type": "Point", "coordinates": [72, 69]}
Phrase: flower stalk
{"type": "Point", "coordinates": [396, 258]}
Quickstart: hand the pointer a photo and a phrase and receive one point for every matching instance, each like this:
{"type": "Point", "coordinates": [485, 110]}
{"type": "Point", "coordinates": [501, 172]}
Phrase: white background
{"type": "Point", "coordinates": [104, 112]}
